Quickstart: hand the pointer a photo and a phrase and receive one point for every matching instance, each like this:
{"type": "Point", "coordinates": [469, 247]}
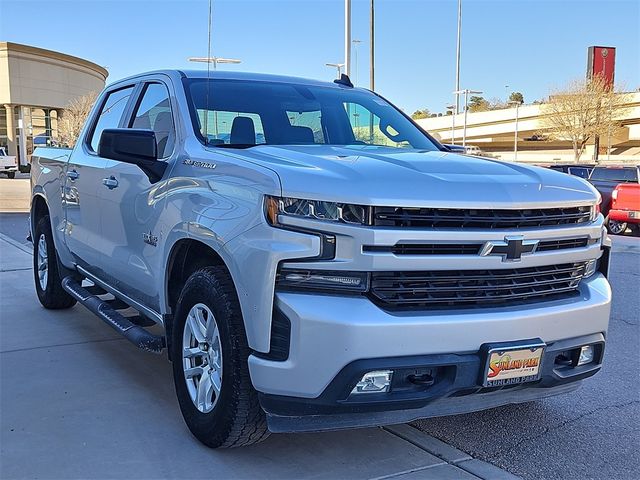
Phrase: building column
{"type": "Point", "coordinates": [11, 131]}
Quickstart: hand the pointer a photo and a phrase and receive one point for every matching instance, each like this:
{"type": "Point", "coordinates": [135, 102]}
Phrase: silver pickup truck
{"type": "Point", "coordinates": [312, 259]}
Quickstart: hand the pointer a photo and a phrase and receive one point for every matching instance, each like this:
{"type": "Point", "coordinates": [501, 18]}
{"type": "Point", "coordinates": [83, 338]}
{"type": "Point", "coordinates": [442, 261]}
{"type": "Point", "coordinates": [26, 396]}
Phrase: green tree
{"type": "Point", "coordinates": [516, 97]}
{"type": "Point", "coordinates": [418, 114]}
{"type": "Point", "coordinates": [478, 104]}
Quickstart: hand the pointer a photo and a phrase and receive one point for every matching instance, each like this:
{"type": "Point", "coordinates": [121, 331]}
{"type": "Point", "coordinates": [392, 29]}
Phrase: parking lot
{"type": "Point", "coordinates": [78, 401]}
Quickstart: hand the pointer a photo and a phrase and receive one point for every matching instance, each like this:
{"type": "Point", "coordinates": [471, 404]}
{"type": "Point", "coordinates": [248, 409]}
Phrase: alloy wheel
{"type": "Point", "coordinates": [202, 357]}
{"type": "Point", "coordinates": [43, 262]}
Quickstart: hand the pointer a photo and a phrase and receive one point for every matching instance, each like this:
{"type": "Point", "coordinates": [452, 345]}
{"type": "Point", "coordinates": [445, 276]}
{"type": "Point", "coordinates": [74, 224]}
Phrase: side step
{"type": "Point", "coordinates": [137, 335]}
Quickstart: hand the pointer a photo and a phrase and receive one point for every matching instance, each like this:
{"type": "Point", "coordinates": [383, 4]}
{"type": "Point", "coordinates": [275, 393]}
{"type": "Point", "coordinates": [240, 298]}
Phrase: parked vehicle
{"type": "Point", "coordinates": [473, 150]}
{"type": "Point", "coordinates": [454, 148]}
{"type": "Point", "coordinates": [582, 171]}
{"type": "Point", "coordinates": [605, 179]}
{"type": "Point", "coordinates": [311, 272]}
{"type": "Point", "coordinates": [8, 163]}
{"type": "Point", "coordinates": [625, 208]}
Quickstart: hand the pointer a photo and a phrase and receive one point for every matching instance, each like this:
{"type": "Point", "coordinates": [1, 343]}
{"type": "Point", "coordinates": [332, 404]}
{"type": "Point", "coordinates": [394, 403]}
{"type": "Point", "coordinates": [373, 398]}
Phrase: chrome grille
{"type": "Point", "coordinates": [479, 218]}
{"type": "Point", "coordinates": [469, 288]}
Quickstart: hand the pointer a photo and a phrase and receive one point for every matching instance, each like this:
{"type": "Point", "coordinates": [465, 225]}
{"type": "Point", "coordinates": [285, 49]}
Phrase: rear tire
{"type": "Point", "coordinates": [11, 175]}
{"type": "Point", "coordinates": [616, 228]}
{"type": "Point", "coordinates": [210, 371]}
{"type": "Point", "coordinates": [45, 269]}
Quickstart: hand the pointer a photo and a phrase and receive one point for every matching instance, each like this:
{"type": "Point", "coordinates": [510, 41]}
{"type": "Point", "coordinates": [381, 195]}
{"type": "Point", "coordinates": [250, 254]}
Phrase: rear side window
{"type": "Point", "coordinates": [615, 174]}
{"type": "Point", "coordinates": [110, 114]}
{"type": "Point", "coordinates": [154, 113]}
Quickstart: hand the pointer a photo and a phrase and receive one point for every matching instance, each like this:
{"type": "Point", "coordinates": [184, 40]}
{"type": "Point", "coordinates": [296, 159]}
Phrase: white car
{"type": "Point", "coordinates": [8, 163]}
{"type": "Point", "coordinates": [473, 150]}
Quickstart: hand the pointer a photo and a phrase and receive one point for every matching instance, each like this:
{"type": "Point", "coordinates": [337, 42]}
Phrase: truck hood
{"type": "Point", "coordinates": [396, 177]}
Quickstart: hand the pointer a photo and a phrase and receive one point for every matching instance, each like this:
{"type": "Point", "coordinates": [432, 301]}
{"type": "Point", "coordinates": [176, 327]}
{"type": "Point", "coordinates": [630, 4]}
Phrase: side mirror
{"type": "Point", "coordinates": [137, 147]}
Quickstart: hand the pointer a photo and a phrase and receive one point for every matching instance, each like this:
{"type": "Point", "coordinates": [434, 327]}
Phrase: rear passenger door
{"type": "Point", "coordinates": [83, 182]}
{"type": "Point", "coordinates": [131, 205]}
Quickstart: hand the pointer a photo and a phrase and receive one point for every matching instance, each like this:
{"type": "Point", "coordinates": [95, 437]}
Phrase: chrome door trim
{"type": "Point", "coordinates": [155, 316]}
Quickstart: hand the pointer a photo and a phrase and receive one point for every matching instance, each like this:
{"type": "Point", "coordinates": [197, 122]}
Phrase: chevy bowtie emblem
{"type": "Point", "coordinates": [511, 249]}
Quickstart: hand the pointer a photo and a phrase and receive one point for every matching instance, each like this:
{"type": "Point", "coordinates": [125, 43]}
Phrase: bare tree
{"type": "Point", "coordinates": [582, 111]}
{"type": "Point", "coordinates": [73, 118]}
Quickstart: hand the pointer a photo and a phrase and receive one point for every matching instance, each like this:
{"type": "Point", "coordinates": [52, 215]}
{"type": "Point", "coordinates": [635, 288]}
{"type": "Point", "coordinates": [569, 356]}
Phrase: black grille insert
{"type": "Point", "coordinates": [469, 288]}
{"type": "Point", "coordinates": [478, 218]}
{"type": "Point", "coordinates": [466, 248]}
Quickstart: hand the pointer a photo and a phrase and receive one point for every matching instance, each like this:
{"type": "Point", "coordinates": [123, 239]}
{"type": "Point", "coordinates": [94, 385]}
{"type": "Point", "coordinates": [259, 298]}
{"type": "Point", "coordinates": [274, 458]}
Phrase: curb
{"type": "Point", "coordinates": [449, 454]}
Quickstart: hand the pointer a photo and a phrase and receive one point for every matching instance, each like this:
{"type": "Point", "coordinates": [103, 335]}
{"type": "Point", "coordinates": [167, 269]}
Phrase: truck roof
{"type": "Point", "coordinates": [233, 75]}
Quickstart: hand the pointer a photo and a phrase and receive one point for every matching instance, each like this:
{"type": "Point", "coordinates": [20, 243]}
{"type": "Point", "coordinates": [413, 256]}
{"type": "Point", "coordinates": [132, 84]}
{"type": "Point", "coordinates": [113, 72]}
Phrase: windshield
{"type": "Point", "coordinates": [615, 174]}
{"type": "Point", "coordinates": [241, 113]}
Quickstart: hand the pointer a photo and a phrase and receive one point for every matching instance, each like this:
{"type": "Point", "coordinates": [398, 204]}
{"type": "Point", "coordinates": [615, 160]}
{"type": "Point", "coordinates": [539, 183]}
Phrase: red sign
{"type": "Point", "coordinates": [602, 62]}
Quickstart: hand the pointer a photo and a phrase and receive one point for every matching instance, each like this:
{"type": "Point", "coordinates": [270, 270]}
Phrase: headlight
{"type": "Point", "coordinates": [316, 210]}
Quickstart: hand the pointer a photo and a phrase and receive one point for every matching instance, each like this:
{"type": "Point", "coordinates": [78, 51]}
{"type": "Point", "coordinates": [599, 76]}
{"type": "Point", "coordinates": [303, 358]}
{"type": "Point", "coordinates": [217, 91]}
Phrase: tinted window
{"type": "Point", "coordinates": [615, 174]}
{"type": "Point", "coordinates": [154, 113]}
{"type": "Point", "coordinates": [579, 172]}
{"type": "Point", "coordinates": [218, 125]}
{"type": "Point", "coordinates": [110, 114]}
{"type": "Point", "coordinates": [298, 114]}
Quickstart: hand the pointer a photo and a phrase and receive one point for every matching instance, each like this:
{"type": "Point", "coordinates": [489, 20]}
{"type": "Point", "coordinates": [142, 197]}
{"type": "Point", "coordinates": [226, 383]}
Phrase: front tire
{"type": "Point", "coordinates": [45, 269]}
{"type": "Point", "coordinates": [210, 371]}
{"type": "Point", "coordinates": [11, 175]}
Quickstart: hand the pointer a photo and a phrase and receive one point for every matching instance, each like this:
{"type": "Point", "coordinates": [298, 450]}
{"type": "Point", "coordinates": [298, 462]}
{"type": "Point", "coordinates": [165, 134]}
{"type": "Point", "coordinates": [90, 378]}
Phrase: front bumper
{"type": "Point", "coordinates": [456, 389]}
{"type": "Point", "coordinates": [329, 332]}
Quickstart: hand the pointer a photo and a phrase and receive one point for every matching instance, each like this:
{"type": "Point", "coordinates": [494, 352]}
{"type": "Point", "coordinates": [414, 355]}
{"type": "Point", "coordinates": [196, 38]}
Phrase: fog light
{"type": "Point", "coordinates": [586, 355]}
{"type": "Point", "coordinates": [590, 268]}
{"type": "Point", "coordinates": [374, 382]}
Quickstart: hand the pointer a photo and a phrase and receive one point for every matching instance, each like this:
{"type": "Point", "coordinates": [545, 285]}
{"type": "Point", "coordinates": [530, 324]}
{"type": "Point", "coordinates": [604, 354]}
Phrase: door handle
{"type": "Point", "coordinates": [72, 175]}
{"type": "Point", "coordinates": [110, 183]}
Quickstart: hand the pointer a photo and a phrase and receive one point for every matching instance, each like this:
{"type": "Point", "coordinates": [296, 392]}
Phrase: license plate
{"type": "Point", "coordinates": [511, 365]}
{"type": "Point", "coordinates": [634, 214]}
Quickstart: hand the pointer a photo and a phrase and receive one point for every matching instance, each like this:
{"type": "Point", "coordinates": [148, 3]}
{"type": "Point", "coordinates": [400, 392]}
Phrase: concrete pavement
{"type": "Point", "coordinates": [14, 194]}
{"type": "Point", "coordinates": [593, 432]}
{"type": "Point", "coordinates": [78, 401]}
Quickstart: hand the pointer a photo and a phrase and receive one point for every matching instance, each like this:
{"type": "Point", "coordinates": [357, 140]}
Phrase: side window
{"type": "Point", "coordinates": [111, 113]}
{"type": "Point", "coordinates": [368, 130]}
{"type": "Point", "coordinates": [154, 113]}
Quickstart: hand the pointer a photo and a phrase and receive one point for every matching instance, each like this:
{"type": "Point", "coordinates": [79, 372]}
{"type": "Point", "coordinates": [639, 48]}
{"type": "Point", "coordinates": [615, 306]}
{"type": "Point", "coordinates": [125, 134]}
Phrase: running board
{"type": "Point", "coordinates": [137, 335]}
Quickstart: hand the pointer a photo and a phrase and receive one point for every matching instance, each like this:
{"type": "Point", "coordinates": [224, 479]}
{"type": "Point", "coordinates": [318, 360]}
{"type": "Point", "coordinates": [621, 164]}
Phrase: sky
{"type": "Point", "coordinates": [531, 46]}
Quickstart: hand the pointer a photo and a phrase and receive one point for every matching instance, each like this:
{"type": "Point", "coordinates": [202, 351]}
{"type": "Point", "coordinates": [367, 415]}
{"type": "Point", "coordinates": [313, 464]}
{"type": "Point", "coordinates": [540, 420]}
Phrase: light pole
{"type": "Point", "coordinates": [452, 109]}
{"type": "Point", "coordinates": [347, 37]}
{"type": "Point", "coordinates": [458, 56]}
{"type": "Point", "coordinates": [515, 135]}
{"type": "Point", "coordinates": [372, 78]}
{"type": "Point", "coordinates": [336, 65]}
{"type": "Point", "coordinates": [355, 54]}
{"type": "Point", "coordinates": [466, 93]}
{"type": "Point", "coordinates": [214, 60]}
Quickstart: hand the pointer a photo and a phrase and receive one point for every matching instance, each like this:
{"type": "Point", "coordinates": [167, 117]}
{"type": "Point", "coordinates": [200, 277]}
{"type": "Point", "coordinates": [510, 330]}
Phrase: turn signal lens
{"type": "Point", "coordinates": [322, 280]}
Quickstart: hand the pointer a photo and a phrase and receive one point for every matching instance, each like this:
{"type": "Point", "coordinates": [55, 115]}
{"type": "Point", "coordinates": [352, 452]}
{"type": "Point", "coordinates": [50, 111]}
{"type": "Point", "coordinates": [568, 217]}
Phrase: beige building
{"type": "Point", "coordinates": [494, 133]}
{"type": "Point", "coordinates": [35, 87]}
